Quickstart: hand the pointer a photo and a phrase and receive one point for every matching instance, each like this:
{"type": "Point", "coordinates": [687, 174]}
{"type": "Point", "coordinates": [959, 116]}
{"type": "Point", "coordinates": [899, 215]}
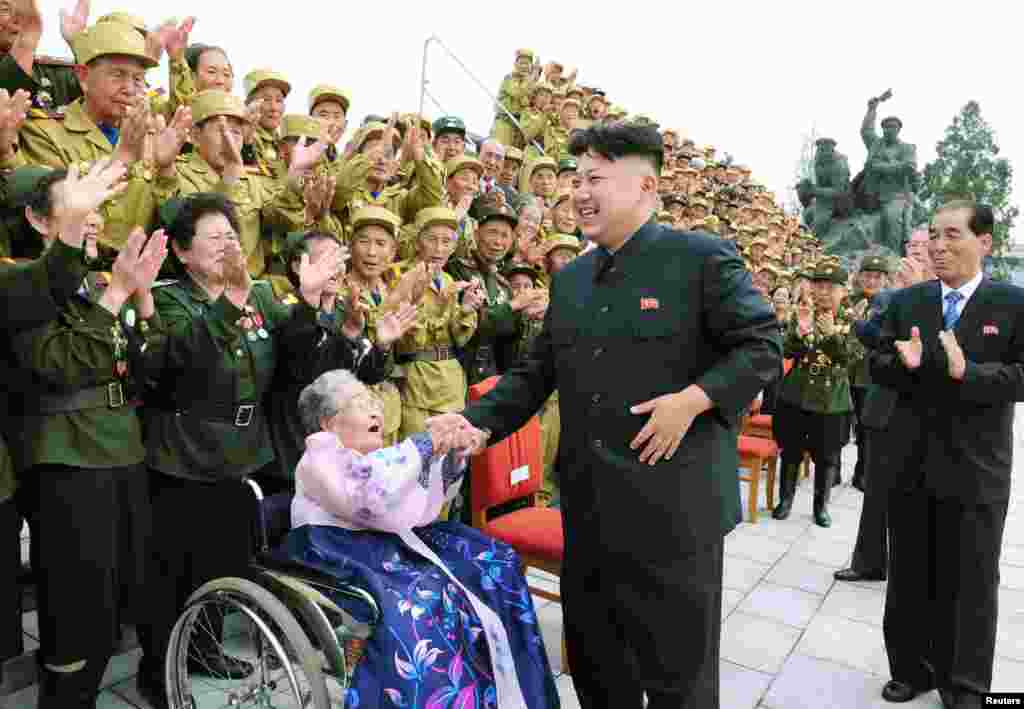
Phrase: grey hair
{"type": "Point", "coordinates": [495, 143]}
{"type": "Point", "coordinates": [329, 394]}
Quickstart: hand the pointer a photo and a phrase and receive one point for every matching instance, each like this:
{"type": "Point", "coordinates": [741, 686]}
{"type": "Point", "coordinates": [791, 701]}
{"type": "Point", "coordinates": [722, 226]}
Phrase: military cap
{"type": "Point", "coordinates": [379, 216]}
{"type": "Point", "coordinates": [260, 77]}
{"type": "Point", "coordinates": [449, 124]}
{"type": "Point", "coordinates": [326, 92]}
{"type": "Point", "coordinates": [214, 102]}
{"type": "Point", "coordinates": [126, 18]}
{"type": "Point", "coordinates": [297, 125]}
{"type": "Point", "coordinates": [495, 211]}
{"type": "Point", "coordinates": [674, 199]}
{"type": "Point", "coordinates": [544, 161]}
{"type": "Point", "coordinates": [428, 216]}
{"type": "Point", "coordinates": [562, 241]}
{"type": "Point", "coordinates": [525, 53]}
{"type": "Point", "coordinates": [516, 267]}
{"type": "Point", "coordinates": [616, 110]}
{"type": "Point", "coordinates": [574, 90]}
{"type": "Point", "coordinates": [410, 118]}
{"type": "Point", "coordinates": [567, 165]}
{"type": "Point", "coordinates": [825, 141]}
{"type": "Point", "coordinates": [21, 183]}
{"type": "Point", "coordinates": [514, 154]}
{"type": "Point", "coordinates": [665, 216]}
{"type": "Point", "coordinates": [109, 38]}
{"type": "Point", "coordinates": [373, 130]}
{"type": "Point", "coordinates": [461, 162]}
{"type": "Point", "coordinates": [829, 271]}
{"type": "Point", "coordinates": [712, 223]}
{"type": "Point", "coordinates": [759, 242]}
{"type": "Point", "coordinates": [699, 202]}
{"type": "Point", "coordinates": [892, 119]}
{"type": "Point", "coordinates": [542, 86]}
{"type": "Point", "coordinates": [697, 163]}
{"type": "Point", "coordinates": [598, 95]}
{"type": "Point", "coordinates": [875, 263]}
{"type": "Point", "coordinates": [571, 101]}
{"type": "Point", "coordinates": [168, 211]}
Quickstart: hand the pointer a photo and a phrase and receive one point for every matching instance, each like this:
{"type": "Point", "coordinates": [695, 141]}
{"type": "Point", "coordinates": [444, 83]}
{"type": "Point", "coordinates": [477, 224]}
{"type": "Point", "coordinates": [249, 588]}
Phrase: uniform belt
{"type": "Point", "coordinates": [438, 354]}
{"type": "Point", "coordinates": [105, 396]}
{"type": "Point", "coordinates": [240, 415]}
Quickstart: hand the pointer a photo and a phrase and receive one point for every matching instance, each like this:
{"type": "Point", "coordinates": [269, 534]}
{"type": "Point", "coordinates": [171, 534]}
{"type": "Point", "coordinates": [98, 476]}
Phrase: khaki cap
{"type": "Point", "coordinates": [126, 18]}
{"type": "Point", "coordinates": [429, 216]}
{"type": "Point", "coordinates": [326, 92]}
{"type": "Point", "coordinates": [214, 102]}
{"type": "Point", "coordinates": [461, 162]}
{"type": "Point", "coordinates": [524, 53]}
{"type": "Point", "coordinates": [111, 38]}
{"type": "Point", "coordinates": [562, 241]}
{"type": "Point", "coordinates": [666, 216]}
{"type": "Point", "coordinates": [571, 102]}
{"type": "Point", "coordinates": [297, 125]}
{"type": "Point", "coordinates": [545, 161]}
{"type": "Point", "coordinates": [378, 216]}
{"type": "Point", "coordinates": [373, 130]}
{"type": "Point", "coordinates": [542, 86]}
{"type": "Point", "coordinates": [514, 154]}
{"type": "Point", "coordinates": [258, 77]}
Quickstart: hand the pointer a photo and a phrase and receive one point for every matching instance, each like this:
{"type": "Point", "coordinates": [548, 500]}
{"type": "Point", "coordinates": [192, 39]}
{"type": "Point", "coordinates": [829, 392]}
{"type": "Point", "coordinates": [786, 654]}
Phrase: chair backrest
{"type": "Point", "coordinates": [506, 471]}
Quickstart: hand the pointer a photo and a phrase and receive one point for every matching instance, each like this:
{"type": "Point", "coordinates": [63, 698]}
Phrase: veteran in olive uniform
{"type": "Point", "coordinates": [32, 295]}
{"type": "Point", "coordinates": [272, 88]}
{"type": "Point", "coordinates": [814, 405]}
{"type": "Point", "coordinates": [514, 97]}
{"type": "Point", "coordinates": [434, 381]}
{"type": "Point", "coordinates": [216, 166]}
{"type": "Point", "coordinates": [330, 105]}
{"type": "Point", "coordinates": [89, 128]}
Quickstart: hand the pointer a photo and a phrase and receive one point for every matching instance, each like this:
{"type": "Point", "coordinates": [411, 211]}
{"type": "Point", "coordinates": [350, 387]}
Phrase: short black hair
{"type": "Point", "coordinates": [193, 208]}
{"type": "Point", "coordinates": [195, 52]}
{"type": "Point", "coordinates": [982, 219]}
{"type": "Point", "coordinates": [40, 199]}
{"type": "Point", "coordinates": [619, 139]}
{"type": "Point", "coordinates": [302, 247]}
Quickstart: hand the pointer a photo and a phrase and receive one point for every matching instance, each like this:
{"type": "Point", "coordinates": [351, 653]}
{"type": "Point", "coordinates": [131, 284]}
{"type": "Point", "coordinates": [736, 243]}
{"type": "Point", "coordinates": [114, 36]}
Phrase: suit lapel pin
{"type": "Point", "coordinates": [990, 330]}
{"type": "Point", "coordinates": [649, 304]}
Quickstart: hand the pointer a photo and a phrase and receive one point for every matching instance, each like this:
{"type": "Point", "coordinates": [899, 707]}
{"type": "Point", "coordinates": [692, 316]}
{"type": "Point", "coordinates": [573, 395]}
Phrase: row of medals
{"type": "Point", "coordinates": [252, 323]}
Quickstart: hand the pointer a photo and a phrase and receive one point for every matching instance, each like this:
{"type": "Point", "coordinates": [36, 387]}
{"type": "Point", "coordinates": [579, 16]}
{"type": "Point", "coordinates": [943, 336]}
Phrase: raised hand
{"type": "Point", "coordinates": [305, 156]}
{"type": "Point", "coordinates": [391, 327]}
{"type": "Point", "coordinates": [171, 138]}
{"type": "Point", "coordinates": [74, 22]}
{"type": "Point", "coordinates": [474, 296]}
{"type": "Point", "coordinates": [30, 26]}
{"type": "Point", "coordinates": [860, 311]}
{"type": "Point", "coordinates": [954, 354]}
{"type": "Point", "coordinates": [135, 268]}
{"type": "Point", "coordinates": [236, 275]}
{"type": "Point", "coordinates": [13, 111]}
{"type": "Point", "coordinates": [911, 350]}
{"type": "Point", "coordinates": [78, 196]}
{"type": "Point", "coordinates": [314, 276]}
{"type": "Point", "coordinates": [175, 39]}
{"type": "Point", "coordinates": [356, 312]}
{"type": "Point", "coordinates": [462, 208]}
{"type": "Point", "coordinates": [230, 145]}
{"type": "Point", "coordinates": [826, 324]}
{"type": "Point", "coordinates": [254, 113]}
{"type": "Point", "coordinates": [135, 127]}
{"type": "Point", "coordinates": [413, 149]}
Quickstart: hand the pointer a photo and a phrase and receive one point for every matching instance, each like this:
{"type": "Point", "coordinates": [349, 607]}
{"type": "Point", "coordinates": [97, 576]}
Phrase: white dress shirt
{"type": "Point", "coordinates": [966, 290]}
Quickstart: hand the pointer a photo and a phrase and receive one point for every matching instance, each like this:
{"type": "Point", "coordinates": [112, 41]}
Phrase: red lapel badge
{"type": "Point", "coordinates": [990, 330]}
{"type": "Point", "coordinates": [649, 304]}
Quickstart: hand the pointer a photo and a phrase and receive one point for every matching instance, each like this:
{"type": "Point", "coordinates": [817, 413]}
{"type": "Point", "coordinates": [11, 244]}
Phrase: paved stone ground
{"type": "Point", "coordinates": [792, 638]}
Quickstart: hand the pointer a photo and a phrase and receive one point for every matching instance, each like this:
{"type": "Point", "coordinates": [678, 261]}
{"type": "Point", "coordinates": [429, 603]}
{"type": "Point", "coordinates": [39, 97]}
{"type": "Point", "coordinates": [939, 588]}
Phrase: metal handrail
{"type": "Point", "coordinates": [494, 99]}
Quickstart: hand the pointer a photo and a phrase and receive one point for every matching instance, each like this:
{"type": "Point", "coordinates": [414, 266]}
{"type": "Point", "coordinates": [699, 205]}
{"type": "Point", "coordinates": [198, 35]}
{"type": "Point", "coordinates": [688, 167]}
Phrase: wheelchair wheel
{"type": "Point", "coordinates": [236, 617]}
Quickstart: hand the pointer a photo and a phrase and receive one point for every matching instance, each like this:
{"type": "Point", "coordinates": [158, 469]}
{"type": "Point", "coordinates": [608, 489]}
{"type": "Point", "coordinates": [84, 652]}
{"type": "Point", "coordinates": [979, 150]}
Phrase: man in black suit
{"type": "Point", "coordinates": [656, 341]}
{"type": "Point", "coordinates": [953, 349]}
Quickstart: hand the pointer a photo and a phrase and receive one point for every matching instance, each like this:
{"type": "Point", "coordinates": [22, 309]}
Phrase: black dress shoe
{"type": "Point", "coordinates": [899, 692]}
{"type": "Point", "coordinates": [153, 691]}
{"type": "Point", "coordinates": [852, 574]}
{"type": "Point", "coordinates": [219, 666]}
{"type": "Point", "coordinates": [967, 700]}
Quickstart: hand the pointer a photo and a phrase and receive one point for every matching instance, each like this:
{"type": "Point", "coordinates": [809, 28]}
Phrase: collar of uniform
{"type": "Point", "coordinates": [633, 243]}
{"type": "Point", "coordinates": [195, 291]}
{"type": "Point", "coordinates": [76, 120]}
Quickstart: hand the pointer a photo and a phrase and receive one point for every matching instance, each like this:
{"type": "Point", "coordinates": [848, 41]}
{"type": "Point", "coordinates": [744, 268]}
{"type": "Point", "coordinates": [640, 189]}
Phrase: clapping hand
{"type": "Point", "coordinates": [175, 39]}
{"type": "Point", "coordinates": [826, 324]}
{"type": "Point", "coordinates": [954, 354]}
{"type": "Point", "coordinates": [860, 311]}
{"type": "Point", "coordinates": [305, 155]}
{"type": "Point", "coordinates": [78, 196]}
{"type": "Point", "coordinates": [473, 297]}
{"type": "Point", "coordinates": [171, 138]}
{"type": "Point", "coordinates": [462, 208]}
{"type": "Point", "coordinates": [413, 149]}
{"type": "Point", "coordinates": [454, 432]}
{"type": "Point", "coordinates": [13, 111]}
{"type": "Point", "coordinates": [910, 351]}
{"type": "Point", "coordinates": [356, 312]}
{"type": "Point", "coordinates": [135, 127]}
{"type": "Point", "coordinates": [134, 270]}
{"type": "Point", "coordinates": [318, 194]}
{"type": "Point", "coordinates": [74, 23]}
{"type": "Point", "coordinates": [392, 326]}
{"type": "Point", "coordinates": [315, 276]}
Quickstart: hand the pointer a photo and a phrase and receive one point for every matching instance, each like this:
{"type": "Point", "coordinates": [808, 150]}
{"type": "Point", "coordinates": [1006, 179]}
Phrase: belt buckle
{"type": "Point", "coordinates": [442, 353]}
{"type": "Point", "coordinates": [115, 395]}
{"type": "Point", "coordinates": [815, 369]}
{"type": "Point", "coordinates": [243, 417]}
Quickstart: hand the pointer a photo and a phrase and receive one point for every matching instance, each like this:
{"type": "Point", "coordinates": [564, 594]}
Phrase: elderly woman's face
{"type": "Point", "coordinates": [359, 425]}
{"type": "Point", "coordinates": [206, 255]}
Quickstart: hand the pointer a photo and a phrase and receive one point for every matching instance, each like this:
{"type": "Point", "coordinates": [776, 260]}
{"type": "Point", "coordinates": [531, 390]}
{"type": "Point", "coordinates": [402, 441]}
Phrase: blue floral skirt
{"type": "Point", "coordinates": [429, 650]}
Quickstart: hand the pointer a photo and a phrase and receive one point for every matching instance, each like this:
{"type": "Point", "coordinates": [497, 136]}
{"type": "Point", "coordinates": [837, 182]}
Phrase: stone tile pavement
{"type": "Point", "coordinates": [792, 637]}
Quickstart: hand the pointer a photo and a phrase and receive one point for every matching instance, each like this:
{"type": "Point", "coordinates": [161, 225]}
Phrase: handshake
{"type": "Point", "coordinates": [450, 432]}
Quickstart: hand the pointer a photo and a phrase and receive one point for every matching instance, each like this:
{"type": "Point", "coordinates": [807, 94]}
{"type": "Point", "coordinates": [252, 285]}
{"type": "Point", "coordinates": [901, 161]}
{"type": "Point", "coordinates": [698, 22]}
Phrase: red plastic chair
{"type": "Point", "coordinates": [755, 454]}
{"type": "Point", "coordinates": [513, 470]}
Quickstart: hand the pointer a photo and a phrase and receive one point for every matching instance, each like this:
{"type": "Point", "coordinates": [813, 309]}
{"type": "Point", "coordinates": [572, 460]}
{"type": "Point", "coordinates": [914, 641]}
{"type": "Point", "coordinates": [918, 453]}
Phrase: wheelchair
{"type": "Point", "coordinates": [302, 645]}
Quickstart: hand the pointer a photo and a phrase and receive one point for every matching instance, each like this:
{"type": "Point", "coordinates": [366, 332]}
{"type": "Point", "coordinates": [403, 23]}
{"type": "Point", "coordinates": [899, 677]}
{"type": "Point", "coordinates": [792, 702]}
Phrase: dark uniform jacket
{"type": "Point", "coordinates": [53, 82]}
{"type": "Point", "coordinates": [662, 313]}
{"type": "Point", "coordinates": [955, 438]}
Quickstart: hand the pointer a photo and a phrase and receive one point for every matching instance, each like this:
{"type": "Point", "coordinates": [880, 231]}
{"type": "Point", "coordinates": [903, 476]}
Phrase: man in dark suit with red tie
{"type": "Point", "coordinates": [953, 349]}
{"type": "Point", "coordinates": [656, 342]}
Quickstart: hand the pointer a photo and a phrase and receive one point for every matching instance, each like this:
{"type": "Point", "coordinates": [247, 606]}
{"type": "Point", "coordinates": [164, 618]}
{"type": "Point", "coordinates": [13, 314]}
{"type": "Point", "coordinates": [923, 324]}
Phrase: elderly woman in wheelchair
{"type": "Point", "coordinates": [399, 610]}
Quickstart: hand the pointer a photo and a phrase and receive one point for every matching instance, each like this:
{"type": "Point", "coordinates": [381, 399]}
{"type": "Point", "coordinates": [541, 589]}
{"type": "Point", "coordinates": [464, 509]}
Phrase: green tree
{"type": "Point", "coordinates": [967, 164]}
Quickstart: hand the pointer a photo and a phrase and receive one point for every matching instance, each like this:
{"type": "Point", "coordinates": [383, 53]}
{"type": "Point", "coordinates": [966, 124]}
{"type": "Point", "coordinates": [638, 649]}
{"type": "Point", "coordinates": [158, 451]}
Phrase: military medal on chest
{"type": "Point", "coordinates": [120, 350]}
{"type": "Point", "coordinates": [253, 324]}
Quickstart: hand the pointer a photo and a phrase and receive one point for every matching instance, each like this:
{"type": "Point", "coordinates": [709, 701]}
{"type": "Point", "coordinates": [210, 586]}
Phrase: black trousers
{"type": "Point", "coordinates": [633, 628]}
{"type": "Point", "coordinates": [822, 435]}
{"type": "Point", "coordinates": [858, 394]}
{"type": "Point", "coordinates": [942, 598]}
{"type": "Point", "coordinates": [870, 553]}
{"type": "Point", "coordinates": [201, 531]}
{"type": "Point", "coordinates": [11, 639]}
{"type": "Point", "coordinates": [91, 529]}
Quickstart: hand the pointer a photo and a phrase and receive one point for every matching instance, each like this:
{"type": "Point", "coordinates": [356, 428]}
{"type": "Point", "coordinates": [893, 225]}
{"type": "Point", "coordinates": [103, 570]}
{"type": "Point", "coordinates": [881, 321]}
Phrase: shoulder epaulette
{"type": "Point", "coordinates": [44, 60]}
{"type": "Point", "coordinates": [43, 114]}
